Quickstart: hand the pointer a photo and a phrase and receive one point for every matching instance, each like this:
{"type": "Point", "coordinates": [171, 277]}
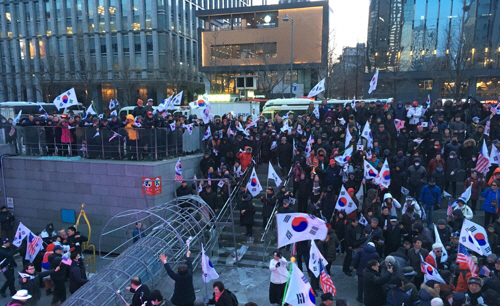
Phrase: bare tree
{"type": "Point", "coordinates": [48, 78]}
{"type": "Point", "coordinates": [127, 84]}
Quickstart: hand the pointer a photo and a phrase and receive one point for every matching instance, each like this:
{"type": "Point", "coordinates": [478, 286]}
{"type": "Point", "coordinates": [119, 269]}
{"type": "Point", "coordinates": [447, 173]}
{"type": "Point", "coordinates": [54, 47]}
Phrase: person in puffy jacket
{"type": "Point", "coordinates": [245, 158]}
{"type": "Point", "coordinates": [477, 183]}
{"type": "Point", "coordinates": [490, 205]}
{"type": "Point", "coordinates": [374, 293]}
{"type": "Point", "coordinates": [77, 277]}
{"type": "Point", "coordinates": [361, 259]}
{"type": "Point", "coordinates": [428, 291]}
{"type": "Point", "coordinates": [430, 196]}
{"type": "Point", "coordinates": [417, 176]}
{"type": "Point", "coordinates": [183, 288]}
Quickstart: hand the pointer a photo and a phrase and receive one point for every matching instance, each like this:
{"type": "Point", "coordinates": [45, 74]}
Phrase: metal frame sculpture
{"type": "Point", "coordinates": [171, 226]}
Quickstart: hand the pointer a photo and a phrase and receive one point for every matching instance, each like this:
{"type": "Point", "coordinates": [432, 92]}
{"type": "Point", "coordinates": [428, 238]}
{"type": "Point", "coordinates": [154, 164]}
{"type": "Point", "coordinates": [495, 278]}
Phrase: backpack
{"type": "Point", "coordinates": [233, 297]}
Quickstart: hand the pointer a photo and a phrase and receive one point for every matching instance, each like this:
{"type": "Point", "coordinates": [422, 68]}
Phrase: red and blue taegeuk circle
{"type": "Point", "coordinates": [201, 102]}
{"type": "Point", "coordinates": [481, 240]}
{"type": "Point", "coordinates": [386, 175]}
{"type": "Point", "coordinates": [342, 202]}
{"type": "Point", "coordinates": [430, 270]}
{"type": "Point", "coordinates": [299, 224]}
{"type": "Point", "coordinates": [254, 182]}
{"type": "Point", "coordinates": [312, 297]}
{"type": "Point", "coordinates": [372, 173]}
{"type": "Point", "coordinates": [65, 99]}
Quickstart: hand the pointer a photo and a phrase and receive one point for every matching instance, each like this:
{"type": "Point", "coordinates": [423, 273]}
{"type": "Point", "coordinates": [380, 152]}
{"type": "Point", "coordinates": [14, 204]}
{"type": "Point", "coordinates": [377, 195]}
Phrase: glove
{"type": "Point", "coordinates": [278, 264]}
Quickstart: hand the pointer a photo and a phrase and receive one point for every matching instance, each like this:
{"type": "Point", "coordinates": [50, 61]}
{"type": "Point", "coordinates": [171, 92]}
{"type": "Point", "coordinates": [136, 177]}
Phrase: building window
{"type": "Point", "coordinates": [137, 26]}
{"type": "Point", "coordinates": [261, 20]}
{"type": "Point", "coordinates": [487, 88]}
{"type": "Point", "coordinates": [241, 51]}
{"type": "Point", "coordinates": [425, 85]}
{"type": "Point", "coordinates": [69, 30]}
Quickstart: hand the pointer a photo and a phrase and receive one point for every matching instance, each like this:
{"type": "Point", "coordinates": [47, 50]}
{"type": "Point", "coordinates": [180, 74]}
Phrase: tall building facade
{"type": "Point", "coordinates": [257, 41]}
{"type": "Point", "coordinates": [445, 48]}
{"type": "Point", "coordinates": [125, 49]}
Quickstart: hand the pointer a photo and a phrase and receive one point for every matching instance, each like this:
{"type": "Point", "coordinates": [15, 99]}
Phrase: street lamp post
{"type": "Point", "coordinates": [288, 18]}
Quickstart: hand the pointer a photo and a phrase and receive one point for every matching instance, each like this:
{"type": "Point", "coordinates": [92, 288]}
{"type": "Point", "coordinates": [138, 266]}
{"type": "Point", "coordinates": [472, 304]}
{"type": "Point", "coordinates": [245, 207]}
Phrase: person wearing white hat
{"type": "Point", "coordinates": [20, 298]}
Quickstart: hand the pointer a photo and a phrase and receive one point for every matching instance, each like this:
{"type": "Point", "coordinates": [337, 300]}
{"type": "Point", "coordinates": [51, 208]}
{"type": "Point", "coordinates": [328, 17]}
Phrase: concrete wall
{"type": "Point", "coordinates": [42, 187]}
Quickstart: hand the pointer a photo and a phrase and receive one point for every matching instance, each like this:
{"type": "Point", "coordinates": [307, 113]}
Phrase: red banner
{"type": "Point", "coordinates": [151, 186]}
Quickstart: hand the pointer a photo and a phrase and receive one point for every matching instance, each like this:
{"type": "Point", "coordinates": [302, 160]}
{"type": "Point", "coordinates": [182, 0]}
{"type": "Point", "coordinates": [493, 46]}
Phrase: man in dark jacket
{"type": "Point", "coordinates": [416, 177]}
{"type": "Point", "coordinates": [210, 197]}
{"type": "Point", "coordinates": [414, 260]}
{"type": "Point", "coordinates": [374, 294]}
{"type": "Point", "coordinates": [349, 241]}
{"type": "Point", "coordinates": [7, 222]}
{"type": "Point", "coordinates": [9, 264]}
{"type": "Point", "coordinates": [77, 277]}
{"type": "Point", "coordinates": [75, 240]}
{"type": "Point", "coordinates": [140, 291]}
{"type": "Point", "coordinates": [285, 155]}
{"type": "Point", "coordinates": [361, 258]}
{"type": "Point", "coordinates": [183, 288]}
{"type": "Point", "coordinates": [59, 277]}
{"type": "Point", "coordinates": [392, 235]}
{"type": "Point", "coordinates": [31, 280]}
{"type": "Point", "coordinates": [205, 163]}
{"type": "Point", "coordinates": [397, 296]}
{"type": "Point", "coordinates": [183, 190]}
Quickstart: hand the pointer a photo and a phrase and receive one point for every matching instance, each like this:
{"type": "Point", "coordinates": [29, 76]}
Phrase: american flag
{"type": "Point", "coordinates": [34, 244]}
{"type": "Point", "coordinates": [487, 128]}
{"type": "Point", "coordinates": [449, 212]}
{"type": "Point", "coordinates": [464, 256]}
{"type": "Point", "coordinates": [399, 124]}
{"type": "Point", "coordinates": [326, 281]}
{"type": "Point", "coordinates": [483, 161]}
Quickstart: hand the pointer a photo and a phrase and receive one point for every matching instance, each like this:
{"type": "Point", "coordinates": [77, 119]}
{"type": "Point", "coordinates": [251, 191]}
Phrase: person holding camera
{"type": "Point", "coordinates": [279, 276]}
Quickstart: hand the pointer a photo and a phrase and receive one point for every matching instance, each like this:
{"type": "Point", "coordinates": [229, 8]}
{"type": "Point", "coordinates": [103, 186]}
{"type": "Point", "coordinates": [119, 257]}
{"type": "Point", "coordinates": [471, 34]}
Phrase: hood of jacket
{"type": "Point", "coordinates": [427, 293]}
{"type": "Point", "coordinates": [368, 248]}
{"type": "Point", "coordinates": [387, 196]}
{"type": "Point", "coordinates": [371, 194]}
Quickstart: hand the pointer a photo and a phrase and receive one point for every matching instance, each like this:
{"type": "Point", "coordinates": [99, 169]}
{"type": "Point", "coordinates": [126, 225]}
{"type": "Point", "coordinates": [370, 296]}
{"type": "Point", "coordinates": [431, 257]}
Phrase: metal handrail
{"type": "Point", "coordinates": [269, 232]}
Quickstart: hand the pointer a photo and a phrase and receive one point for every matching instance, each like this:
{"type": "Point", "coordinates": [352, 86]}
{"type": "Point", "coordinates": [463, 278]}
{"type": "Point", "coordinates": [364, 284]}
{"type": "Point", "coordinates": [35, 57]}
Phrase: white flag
{"type": "Point", "coordinates": [314, 258]}
{"type": "Point", "coordinates": [384, 176]}
{"type": "Point", "coordinates": [362, 220]}
{"type": "Point", "coordinates": [348, 138]}
{"type": "Point", "coordinates": [360, 195]}
{"type": "Point", "coordinates": [308, 147]}
{"type": "Point", "coordinates": [207, 134]}
{"type": "Point", "coordinates": [21, 232]}
{"type": "Point", "coordinates": [271, 174]}
{"type": "Point", "coordinates": [296, 227]}
{"type": "Point", "coordinates": [114, 113]}
{"type": "Point", "coordinates": [177, 100]}
{"type": "Point", "coordinates": [33, 245]}
{"type": "Point", "coordinates": [373, 82]}
{"type": "Point", "coordinates": [317, 89]}
{"type": "Point", "coordinates": [367, 134]}
{"type": "Point", "coordinates": [90, 110]}
{"type": "Point", "coordinates": [370, 171]}
{"type": "Point", "coordinates": [430, 273]}
{"type": "Point", "coordinates": [299, 129]}
{"type": "Point", "coordinates": [253, 184]}
{"type": "Point", "coordinates": [172, 126]}
{"type": "Point", "coordinates": [444, 254]}
{"type": "Point", "coordinates": [316, 112]}
{"type": "Point", "coordinates": [299, 291]}
{"type": "Point", "coordinates": [481, 244]}
{"type": "Point", "coordinates": [208, 270]}
{"type": "Point", "coordinates": [466, 194]}
{"type": "Point", "coordinates": [344, 158]}
{"type": "Point", "coordinates": [18, 118]}
{"type": "Point", "coordinates": [345, 202]}
{"type": "Point", "coordinates": [494, 155]}
{"type": "Point", "coordinates": [66, 99]}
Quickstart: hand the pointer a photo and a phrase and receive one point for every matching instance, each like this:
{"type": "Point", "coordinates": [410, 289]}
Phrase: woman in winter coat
{"type": "Point", "coordinates": [491, 201]}
{"type": "Point", "coordinates": [329, 250]}
{"type": "Point", "coordinates": [66, 135]}
{"type": "Point", "coordinates": [77, 277]}
{"type": "Point", "coordinates": [392, 203]}
{"type": "Point", "coordinates": [279, 277]}
{"type": "Point", "coordinates": [433, 164]}
{"type": "Point", "coordinates": [428, 291]}
{"type": "Point", "coordinates": [371, 202]}
{"type": "Point", "coordinates": [183, 287]}
{"type": "Point", "coordinates": [221, 297]}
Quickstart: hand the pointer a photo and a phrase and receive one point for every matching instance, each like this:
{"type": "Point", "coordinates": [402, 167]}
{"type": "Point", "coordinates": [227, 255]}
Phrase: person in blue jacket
{"type": "Point", "coordinates": [430, 195]}
{"type": "Point", "coordinates": [490, 206]}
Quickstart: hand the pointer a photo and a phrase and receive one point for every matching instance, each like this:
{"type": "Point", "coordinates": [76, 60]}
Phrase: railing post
{"type": "Point", "coordinates": [156, 143]}
{"type": "Point", "coordinates": [102, 144]}
{"type": "Point", "coordinates": [119, 146]}
{"type": "Point", "coordinates": [38, 130]}
{"type": "Point", "coordinates": [136, 144]}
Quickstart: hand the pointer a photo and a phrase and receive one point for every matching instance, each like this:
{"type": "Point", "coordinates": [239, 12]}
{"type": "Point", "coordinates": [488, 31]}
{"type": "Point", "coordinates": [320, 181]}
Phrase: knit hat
{"type": "Point", "coordinates": [475, 280]}
{"type": "Point", "coordinates": [390, 259]}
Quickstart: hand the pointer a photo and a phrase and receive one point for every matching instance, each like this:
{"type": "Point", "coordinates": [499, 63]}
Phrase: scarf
{"type": "Point", "coordinates": [217, 296]}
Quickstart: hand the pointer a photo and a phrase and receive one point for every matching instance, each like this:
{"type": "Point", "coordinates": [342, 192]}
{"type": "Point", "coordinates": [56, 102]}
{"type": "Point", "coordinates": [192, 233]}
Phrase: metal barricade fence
{"type": "Point", "coordinates": [103, 143]}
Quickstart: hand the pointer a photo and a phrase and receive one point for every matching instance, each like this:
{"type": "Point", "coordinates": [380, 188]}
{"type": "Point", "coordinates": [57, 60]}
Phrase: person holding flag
{"type": "Point", "coordinates": [30, 280]}
{"type": "Point", "coordinates": [183, 288]}
{"type": "Point", "coordinates": [7, 265]}
{"type": "Point", "coordinates": [279, 277]}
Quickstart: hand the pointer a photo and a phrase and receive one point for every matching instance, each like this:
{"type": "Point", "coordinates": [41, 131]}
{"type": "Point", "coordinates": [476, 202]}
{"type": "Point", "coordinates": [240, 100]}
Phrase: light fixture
{"type": "Point", "coordinates": [435, 51]}
{"type": "Point", "coordinates": [411, 52]}
{"type": "Point", "coordinates": [423, 52]}
{"type": "Point", "coordinates": [267, 19]}
{"type": "Point", "coordinates": [376, 53]}
{"type": "Point", "coordinates": [486, 49]}
{"type": "Point", "coordinates": [447, 51]}
{"type": "Point", "coordinates": [473, 50]}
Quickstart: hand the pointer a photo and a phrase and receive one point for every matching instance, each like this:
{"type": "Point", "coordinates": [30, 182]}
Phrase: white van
{"type": "Point", "coordinates": [282, 106]}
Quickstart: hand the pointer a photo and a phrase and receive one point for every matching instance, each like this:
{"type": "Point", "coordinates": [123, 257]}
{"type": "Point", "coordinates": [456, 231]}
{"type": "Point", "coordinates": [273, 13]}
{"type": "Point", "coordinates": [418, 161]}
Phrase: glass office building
{"type": "Point", "coordinates": [429, 46]}
{"type": "Point", "coordinates": [125, 49]}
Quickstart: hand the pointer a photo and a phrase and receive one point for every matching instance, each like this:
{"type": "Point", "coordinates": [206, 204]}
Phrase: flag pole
{"type": "Point", "coordinates": [292, 260]}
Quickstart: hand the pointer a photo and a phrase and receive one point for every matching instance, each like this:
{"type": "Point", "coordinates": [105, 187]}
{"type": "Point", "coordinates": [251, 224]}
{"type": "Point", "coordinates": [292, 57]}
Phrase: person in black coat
{"type": "Point", "coordinates": [397, 295]}
{"type": "Point", "coordinates": [140, 291]}
{"type": "Point", "coordinates": [205, 163]}
{"type": "Point", "coordinates": [361, 258]}
{"type": "Point", "coordinates": [392, 235]}
{"type": "Point", "coordinates": [77, 277]}
{"type": "Point", "coordinates": [75, 240]}
{"type": "Point", "coordinates": [349, 241]}
{"type": "Point", "coordinates": [9, 266]}
{"type": "Point", "coordinates": [247, 211]}
{"type": "Point", "coordinates": [30, 280]}
{"type": "Point", "coordinates": [285, 155]}
{"type": "Point", "coordinates": [374, 294]}
{"type": "Point", "coordinates": [183, 289]}
{"type": "Point", "coordinates": [222, 296]}
{"type": "Point", "coordinates": [269, 202]}
{"type": "Point", "coordinates": [210, 197]}
{"type": "Point", "coordinates": [183, 190]}
{"type": "Point", "coordinates": [58, 278]}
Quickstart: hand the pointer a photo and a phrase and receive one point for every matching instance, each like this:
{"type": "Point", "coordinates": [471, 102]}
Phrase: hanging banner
{"type": "Point", "coordinates": [151, 186]}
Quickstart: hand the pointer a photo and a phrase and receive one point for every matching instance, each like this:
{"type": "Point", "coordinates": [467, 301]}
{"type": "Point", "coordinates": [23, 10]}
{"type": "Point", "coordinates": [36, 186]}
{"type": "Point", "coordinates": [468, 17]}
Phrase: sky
{"type": "Point", "coordinates": [348, 22]}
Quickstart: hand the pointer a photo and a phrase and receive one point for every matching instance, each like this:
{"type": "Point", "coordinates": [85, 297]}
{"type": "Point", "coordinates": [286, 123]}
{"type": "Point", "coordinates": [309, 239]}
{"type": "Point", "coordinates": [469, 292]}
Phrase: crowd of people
{"type": "Point", "coordinates": [143, 134]}
{"type": "Point", "coordinates": [432, 151]}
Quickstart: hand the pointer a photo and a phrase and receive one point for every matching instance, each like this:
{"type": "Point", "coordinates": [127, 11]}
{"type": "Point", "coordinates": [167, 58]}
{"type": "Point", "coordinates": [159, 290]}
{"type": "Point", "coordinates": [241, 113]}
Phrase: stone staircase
{"type": "Point", "coordinates": [254, 256]}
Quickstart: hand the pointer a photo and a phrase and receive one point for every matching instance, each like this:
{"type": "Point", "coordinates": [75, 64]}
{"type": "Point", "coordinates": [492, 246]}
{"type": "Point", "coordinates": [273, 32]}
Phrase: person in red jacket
{"type": "Point", "coordinates": [245, 158]}
{"type": "Point", "coordinates": [435, 258]}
